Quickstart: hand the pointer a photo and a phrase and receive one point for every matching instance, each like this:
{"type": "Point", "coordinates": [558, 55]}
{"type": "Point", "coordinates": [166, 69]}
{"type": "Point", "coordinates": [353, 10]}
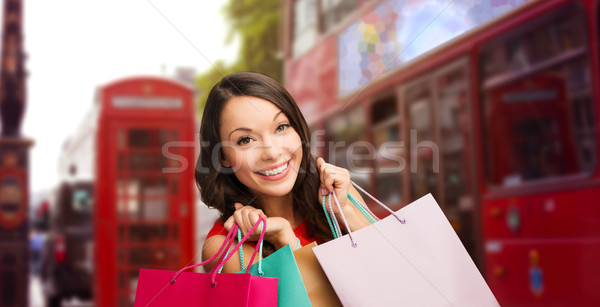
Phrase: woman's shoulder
{"type": "Point", "coordinates": [217, 229]}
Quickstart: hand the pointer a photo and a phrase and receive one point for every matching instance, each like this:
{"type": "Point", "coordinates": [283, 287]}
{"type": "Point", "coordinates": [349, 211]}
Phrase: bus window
{"type": "Point", "coordinates": [82, 200]}
{"type": "Point", "coordinates": [423, 152]}
{"type": "Point", "coordinates": [347, 144]}
{"type": "Point", "coordinates": [453, 118]}
{"type": "Point", "coordinates": [390, 161]}
{"type": "Point", "coordinates": [538, 118]}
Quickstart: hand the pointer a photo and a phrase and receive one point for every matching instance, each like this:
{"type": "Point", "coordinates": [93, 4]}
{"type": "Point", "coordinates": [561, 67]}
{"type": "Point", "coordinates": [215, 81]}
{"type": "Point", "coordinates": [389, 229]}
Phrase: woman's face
{"type": "Point", "coordinates": [260, 145]}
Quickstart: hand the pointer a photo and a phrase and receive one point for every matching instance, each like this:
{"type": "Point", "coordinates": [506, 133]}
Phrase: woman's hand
{"type": "Point", "coordinates": [279, 231]}
{"type": "Point", "coordinates": [337, 179]}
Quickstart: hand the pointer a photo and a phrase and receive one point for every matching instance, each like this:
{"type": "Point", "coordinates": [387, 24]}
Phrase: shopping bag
{"type": "Point", "coordinates": [194, 289]}
{"type": "Point", "coordinates": [282, 264]}
{"type": "Point", "coordinates": [169, 288]}
{"type": "Point", "coordinates": [412, 258]}
{"type": "Point", "coordinates": [317, 285]}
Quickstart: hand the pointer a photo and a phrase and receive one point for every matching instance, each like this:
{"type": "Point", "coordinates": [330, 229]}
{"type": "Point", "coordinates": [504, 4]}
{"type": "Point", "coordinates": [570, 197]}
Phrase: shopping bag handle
{"type": "Point", "coordinates": [366, 212]}
{"type": "Point", "coordinates": [259, 244]}
{"type": "Point", "coordinates": [227, 239]}
{"type": "Point", "coordinates": [377, 201]}
{"type": "Point", "coordinates": [263, 225]}
{"type": "Point", "coordinates": [241, 250]}
{"type": "Point", "coordinates": [335, 221]}
{"type": "Point", "coordinates": [226, 245]}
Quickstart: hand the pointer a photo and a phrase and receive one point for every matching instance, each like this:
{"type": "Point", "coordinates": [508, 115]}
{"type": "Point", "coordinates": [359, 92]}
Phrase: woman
{"type": "Point", "coordinates": [255, 161]}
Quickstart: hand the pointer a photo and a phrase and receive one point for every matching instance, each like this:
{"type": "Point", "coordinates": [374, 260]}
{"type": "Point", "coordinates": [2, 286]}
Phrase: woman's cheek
{"type": "Point", "coordinates": [249, 159]}
{"type": "Point", "coordinates": [291, 141]}
{"type": "Point", "coordinates": [236, 158]}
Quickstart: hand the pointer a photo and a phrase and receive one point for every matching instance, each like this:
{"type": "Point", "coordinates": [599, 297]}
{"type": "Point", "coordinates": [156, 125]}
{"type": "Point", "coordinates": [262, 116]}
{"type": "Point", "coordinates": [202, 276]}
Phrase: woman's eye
{"type": "Point", "coordinates": [282, 127]}
{"type": "Point", "coordinates": [244, 140]}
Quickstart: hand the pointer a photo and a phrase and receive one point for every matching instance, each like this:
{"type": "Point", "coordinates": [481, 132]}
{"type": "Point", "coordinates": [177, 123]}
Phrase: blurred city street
{"type": "Point", "coordinates": [36, 298]}
{"type": "Point", "coordinates": [490, 106]}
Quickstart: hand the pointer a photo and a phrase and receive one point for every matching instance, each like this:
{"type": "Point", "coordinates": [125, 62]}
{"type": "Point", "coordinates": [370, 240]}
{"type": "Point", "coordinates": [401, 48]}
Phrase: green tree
{"type": "Point", "coordinates": [256, 24]}
{"type": "Point", "coordinates": [206, 80]}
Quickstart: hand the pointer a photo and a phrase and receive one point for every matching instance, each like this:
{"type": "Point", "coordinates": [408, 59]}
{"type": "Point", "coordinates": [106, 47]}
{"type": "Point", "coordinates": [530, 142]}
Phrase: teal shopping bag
{"type": "Point", "coordinates": [282, 264]}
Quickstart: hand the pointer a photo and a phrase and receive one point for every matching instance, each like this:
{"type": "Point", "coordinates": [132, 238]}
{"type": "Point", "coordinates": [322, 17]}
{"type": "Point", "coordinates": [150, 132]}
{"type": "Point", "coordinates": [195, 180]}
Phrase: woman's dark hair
{"type": "Point", "coordinates": [219, 187]}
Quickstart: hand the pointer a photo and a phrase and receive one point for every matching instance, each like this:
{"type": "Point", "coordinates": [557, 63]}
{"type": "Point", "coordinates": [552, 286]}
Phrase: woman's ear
{"type": "Point", "coordinates": [225, 163]}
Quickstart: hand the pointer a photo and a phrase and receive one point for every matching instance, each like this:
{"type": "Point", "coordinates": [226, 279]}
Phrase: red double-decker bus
{"type": "Point", "coordinates": [134, 154]}
{"type": "Point", "coordinates": [492, 106]}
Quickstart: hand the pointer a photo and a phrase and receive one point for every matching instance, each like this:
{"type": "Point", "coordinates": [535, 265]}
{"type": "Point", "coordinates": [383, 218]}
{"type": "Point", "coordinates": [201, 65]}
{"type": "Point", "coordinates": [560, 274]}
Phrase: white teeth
{"type": "Point", "coordinates": [273, 172]}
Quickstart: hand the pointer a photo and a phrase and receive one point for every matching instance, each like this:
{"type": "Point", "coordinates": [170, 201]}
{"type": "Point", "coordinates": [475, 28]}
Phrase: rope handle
{"type": "Point", "coordinates": [260, 222]}
{"type": "Point", "coordinates": [241, 251]}
{"type": "Point", "coordinates": [337, 203]}
{"type": "Point", "coordinates": [402, 221]}
{"type": "Point", "coordinates": [229, 239]}
{"type": "Point", "coordinates": [364, 209]}
{"type": "Point", "coordinates": [336, 226]}
{"type": "Point", "coordinates": [333, 230]}
{"type": "Point", "coordinates": [226, 253]}
{"type": "Point", "coordinates": [366, 212]}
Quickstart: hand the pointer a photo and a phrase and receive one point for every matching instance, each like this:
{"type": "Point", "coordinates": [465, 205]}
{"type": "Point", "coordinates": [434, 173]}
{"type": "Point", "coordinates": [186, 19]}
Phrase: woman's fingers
{"type": "Point", "coordinates": [328, 180]}
{"type": "Point", "coordinates": [320, 161]}
{"type": "Point", "coordinates": [246, 217]}
{"type": "Point", "coordinates": [254, 217]}
{"type": "Point", "coordinates": [333, 178]}
{"type": "Point", "coordinates": [325, 174]}
{"type": "Point", "coordinates": [229, 223]}
{"type": "Point", "coordinates": [277, 229]}
{"type": "Point", "coordinates": [237, 218]}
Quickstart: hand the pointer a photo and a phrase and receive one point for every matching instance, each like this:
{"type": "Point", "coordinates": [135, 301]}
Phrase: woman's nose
{"type": "Point", "coordinates": [271, 149]}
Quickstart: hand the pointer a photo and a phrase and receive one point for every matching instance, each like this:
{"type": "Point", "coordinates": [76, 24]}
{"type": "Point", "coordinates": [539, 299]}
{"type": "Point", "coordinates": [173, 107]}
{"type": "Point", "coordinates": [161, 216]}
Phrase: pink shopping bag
{"type": "Point", "coordinates": [169, 288]}
{"type": "Point", "coordinates": [411, 258]}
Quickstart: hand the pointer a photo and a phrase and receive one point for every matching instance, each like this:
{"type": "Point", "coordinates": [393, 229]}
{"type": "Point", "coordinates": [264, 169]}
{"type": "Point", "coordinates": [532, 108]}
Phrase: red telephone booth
{"type": "Point", "coordinates": [144, 188]}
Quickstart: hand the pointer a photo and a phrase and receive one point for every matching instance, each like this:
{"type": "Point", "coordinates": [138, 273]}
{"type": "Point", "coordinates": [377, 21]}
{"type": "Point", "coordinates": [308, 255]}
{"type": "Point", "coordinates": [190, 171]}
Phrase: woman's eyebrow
{"type": "Point", "coordinates": [241, 128]}
{"type": "Point", "coordinates": [248, 129]}
{"type": "Point", "coordinates": [277, 114]}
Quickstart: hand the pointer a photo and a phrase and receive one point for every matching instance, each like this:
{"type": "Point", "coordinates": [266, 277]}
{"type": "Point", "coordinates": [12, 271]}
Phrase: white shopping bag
{"type": "Point", "coordinates": [419, 263]}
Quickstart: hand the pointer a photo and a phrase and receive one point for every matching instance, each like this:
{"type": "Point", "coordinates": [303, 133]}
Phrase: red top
{"type": "Point", "coordinates": [300, 232]}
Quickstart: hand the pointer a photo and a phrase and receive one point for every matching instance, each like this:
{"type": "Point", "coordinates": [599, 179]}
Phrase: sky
{"type": "Point", "coordinates": [75, 46]}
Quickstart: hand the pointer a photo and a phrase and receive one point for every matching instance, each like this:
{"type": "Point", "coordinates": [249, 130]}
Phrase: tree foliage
{"type": "Point", "coordinates": [206, 80]}
{"type": "Point", "coordinates": [256, 23]}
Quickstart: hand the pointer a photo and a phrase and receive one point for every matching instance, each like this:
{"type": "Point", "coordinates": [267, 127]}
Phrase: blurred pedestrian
{"type": "Point", "coordinates": [36, 243]}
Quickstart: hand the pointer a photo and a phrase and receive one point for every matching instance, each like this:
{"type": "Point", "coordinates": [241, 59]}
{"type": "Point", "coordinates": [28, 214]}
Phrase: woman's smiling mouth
{"type": "Point", "coordinates": [274, 171]}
